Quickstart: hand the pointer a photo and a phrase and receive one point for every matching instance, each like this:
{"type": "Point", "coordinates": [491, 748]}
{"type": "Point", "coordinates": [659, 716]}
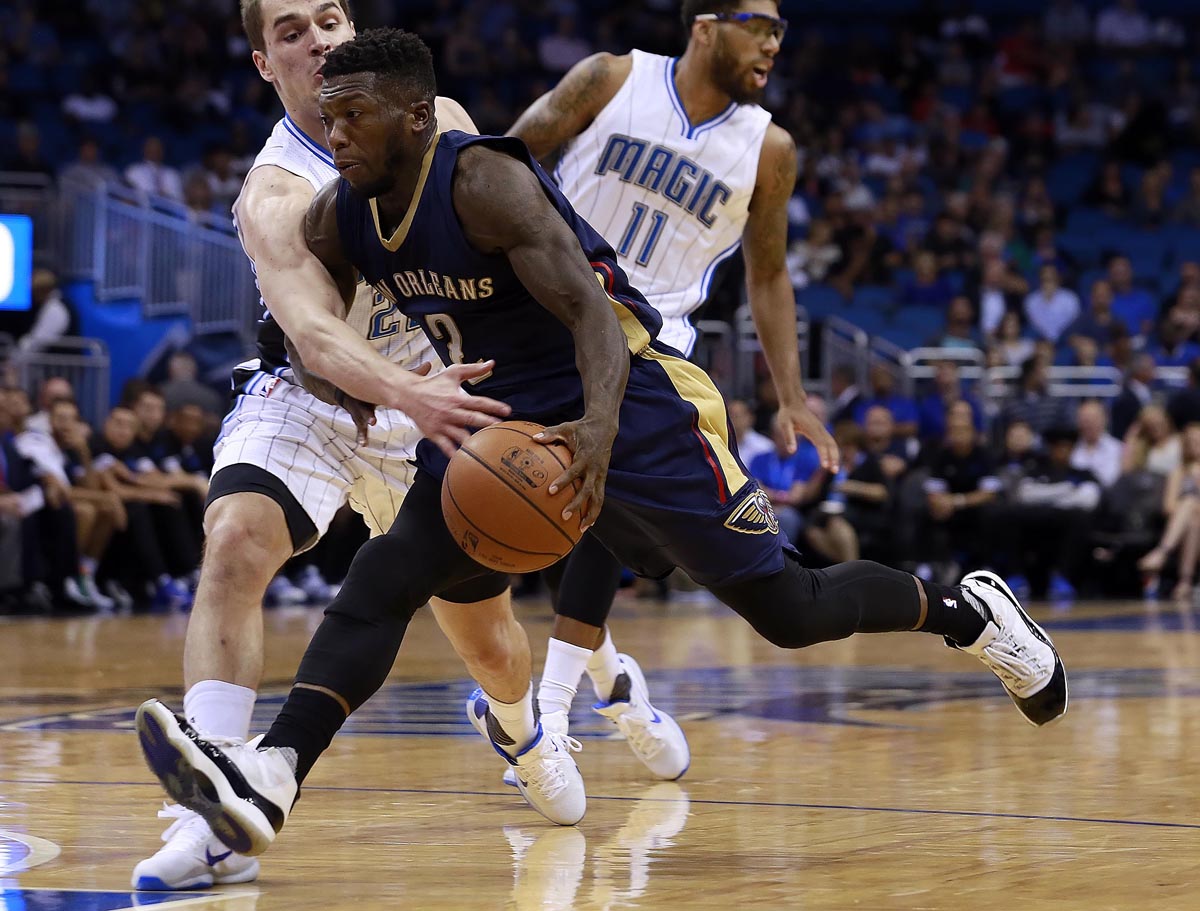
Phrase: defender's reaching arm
{"type": "Point", "coordinates": [437, 404]}
{"type": "Point", "coordinates": [503, 209]}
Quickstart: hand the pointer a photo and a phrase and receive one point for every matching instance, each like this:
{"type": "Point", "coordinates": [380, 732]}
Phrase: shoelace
{"type": "Point", "coordinates": [641, 735]}
{"type": "Point", "coordinates": [189, 828]}
{"type": "Point", "coordinates": [546, 775]}
{"type": "Point", "coordinates": [1011, 661]}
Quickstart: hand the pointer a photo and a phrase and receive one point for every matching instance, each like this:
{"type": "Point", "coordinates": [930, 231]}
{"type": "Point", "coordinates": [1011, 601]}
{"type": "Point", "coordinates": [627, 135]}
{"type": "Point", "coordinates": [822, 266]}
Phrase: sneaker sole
{"type": "Point", "coordinates": [1031, 703]}
{"type": "Point", "coordinates": [193, 780]}
{"type": "Point", "coordinates": [201, 881]}
{"type": "Point", "coordinates": [639, 678]}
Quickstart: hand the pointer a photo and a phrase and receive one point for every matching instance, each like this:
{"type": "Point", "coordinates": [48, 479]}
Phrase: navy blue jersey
{"type": "Point", "coordinates": [472, 305]}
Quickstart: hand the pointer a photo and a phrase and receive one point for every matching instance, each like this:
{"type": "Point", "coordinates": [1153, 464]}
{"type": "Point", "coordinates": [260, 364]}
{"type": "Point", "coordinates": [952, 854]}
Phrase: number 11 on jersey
{"type": "Point", "coordinates": [658, 221]}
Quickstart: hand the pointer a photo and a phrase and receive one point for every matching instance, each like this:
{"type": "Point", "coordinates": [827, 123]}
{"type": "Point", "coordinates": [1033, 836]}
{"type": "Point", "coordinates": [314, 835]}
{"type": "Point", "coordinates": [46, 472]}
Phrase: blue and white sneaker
{"type": "Point", "coordinates": [653, 735]}
{"type": "Point", "coordinates": [192, 858]}
{"type": "Point", "coordinates": [546, 773]}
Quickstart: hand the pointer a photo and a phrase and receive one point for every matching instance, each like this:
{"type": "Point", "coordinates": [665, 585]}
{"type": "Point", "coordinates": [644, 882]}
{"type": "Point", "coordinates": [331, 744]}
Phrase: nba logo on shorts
{"type": "Point", "coordinates": [753, 516]}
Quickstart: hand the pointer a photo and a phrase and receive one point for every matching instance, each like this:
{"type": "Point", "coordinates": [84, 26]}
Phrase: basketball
{"type": "Point", "coordinates": [497, 502]}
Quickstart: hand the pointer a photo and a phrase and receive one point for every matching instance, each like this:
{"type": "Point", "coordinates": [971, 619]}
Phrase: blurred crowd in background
{"type": "Point", "coordinates": [1021, 180]}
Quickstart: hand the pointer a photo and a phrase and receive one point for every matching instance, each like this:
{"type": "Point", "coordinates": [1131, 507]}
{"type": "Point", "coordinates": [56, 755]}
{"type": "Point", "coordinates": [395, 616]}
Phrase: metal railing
{"type": "Point", "coordinates": [84, 362]}
{"type": "Point", "coordinates": [844, 344]}
{"type": "Point", "coordinates": [748, 347]}
{"type": "Point", "coordinates": [132, 245]}
{"type": "Point", "coordinates": [33, 195]}
{"type": "Point", "coordinates": [715, 353]}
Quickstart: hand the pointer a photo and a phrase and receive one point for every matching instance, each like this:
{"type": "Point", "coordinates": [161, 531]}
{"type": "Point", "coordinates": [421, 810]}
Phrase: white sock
{"type": "Point", "coordinates": [220, 709]}
{"type": "Point", "coordinates": [517, 721]}
{"type": "Point", "coordinates": [565, 664]}
{"type": "Point", "coordinates": [604, 667]}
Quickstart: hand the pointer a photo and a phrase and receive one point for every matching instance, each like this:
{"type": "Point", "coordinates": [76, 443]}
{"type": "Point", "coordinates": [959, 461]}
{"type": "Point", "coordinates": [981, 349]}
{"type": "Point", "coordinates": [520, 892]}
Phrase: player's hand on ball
{"type": "Point", "coordinates": [591, 448]}
{"type": "Point", "coordinates": [444, 411]}
{"type": "Point", "coordinates": [800, 420]}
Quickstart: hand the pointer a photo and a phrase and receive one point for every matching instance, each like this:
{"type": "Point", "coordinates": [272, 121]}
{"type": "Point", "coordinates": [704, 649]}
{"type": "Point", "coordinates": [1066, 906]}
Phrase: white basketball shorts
{"type": "Point", "coordinates": [312, 448]}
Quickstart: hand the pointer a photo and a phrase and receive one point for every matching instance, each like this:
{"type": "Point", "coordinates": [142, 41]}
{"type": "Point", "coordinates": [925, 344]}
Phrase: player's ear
{"type": "Point", "coordinates": [264, 66]}
{"type": "Point", "coordinates": [422, 113]}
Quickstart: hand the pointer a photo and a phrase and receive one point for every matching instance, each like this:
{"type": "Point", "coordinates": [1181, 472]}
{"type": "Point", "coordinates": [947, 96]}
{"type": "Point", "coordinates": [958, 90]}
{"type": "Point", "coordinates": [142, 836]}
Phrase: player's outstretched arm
{"type": "Point", "coordinates": [772, 300]}
{"type": "Point", "coordinates": [566, 110]}
{"type": "Point", "coordinates": [503, 209]}
{"type": "Point", "coordinates": [438, 405]}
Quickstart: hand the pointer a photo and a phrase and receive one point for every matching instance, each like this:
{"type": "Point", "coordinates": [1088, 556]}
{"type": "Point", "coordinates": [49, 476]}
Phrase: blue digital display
{"type": "Point", "coordinates": [16, 261]}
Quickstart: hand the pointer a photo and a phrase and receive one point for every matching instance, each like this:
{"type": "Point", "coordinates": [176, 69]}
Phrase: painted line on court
{"type": "Point", "coordinates": [41, 852]}
{"type": "Point", "coordinates": [968, 814]}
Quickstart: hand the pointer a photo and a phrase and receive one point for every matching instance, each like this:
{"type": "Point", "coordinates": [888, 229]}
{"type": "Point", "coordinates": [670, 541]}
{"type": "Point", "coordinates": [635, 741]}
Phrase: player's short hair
{"type": "Point", "coordinates": [693, 8]}
{"type": "Point", "coordinates": [255, 28]}
{"type": "Point", "coordinates": [392, 53]}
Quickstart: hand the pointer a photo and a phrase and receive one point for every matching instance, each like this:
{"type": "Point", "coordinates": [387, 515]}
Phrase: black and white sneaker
{"type": "Point", "coordinates": [1017, 650]}
{"type": "Point", "coordinates": [244, 793]}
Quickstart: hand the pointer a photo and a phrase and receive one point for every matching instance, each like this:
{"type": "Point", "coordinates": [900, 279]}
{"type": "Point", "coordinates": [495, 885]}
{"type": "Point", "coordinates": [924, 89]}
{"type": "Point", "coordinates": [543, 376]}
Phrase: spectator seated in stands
{"type": "Point", "coordinates": [883, 392]}
{"type": "Point", "coordinates": [1134, 306]}
{"type": "Point", "coordinates": [1097, 323]}
{"type": "Point", "coordinates": [810, 261]}
{"type": "Point", "coordinates": [951, 244]}
{"type": "Point", "coordinates": [934, 407]}
{"type": "Point", "coordinates": [81, 518]}
{"type": "Point", "coordinates": [1151, 443]}
{"type": "Point", "coordinates": [183, 388]}
{"type": "Point", "coordinates": [154, 442]}
{"type": "Point", "coordinates": [999, 290]}
{"type": "Point", "coordinates": [1184, 405]}
{"type": "Point", "coordinates": [89, 169]}
{"type": "Point", "coordinates": [53, 316]}
{"type": "Point", "coordinates": [1051, 308]}
{"type": "Point", "coordinates": [844, 393]}
{"type": "Point", "coordinates": [152, 174]}
{"type": "Point", "coordinates": [51, 390]}
{"type": "Point", "coordinates": [750, 443]}
{"type": "Point", "coordinates": [1136, 393]}
{"type": "Point", "coordinates": [1181, 506]}
{"type": "Point", "coordinates": [1011, 346]}
{"type": "Point", "coordinates": [793, 480]}
{"type": "Point", "coordinates": [927, 287]}
{"type": "Point", "coordinates": [1123, 26]}
{"type": "Point", "coordinates": [1109, 193]}
{"type": "Point", "coordinates": [1018, 455]}
{"type": "Point", "coordinates": [1187, 210]}
{"type": "Point", "coordinates": [1097, 450]}
{"type": "Point", "coordinates": [1170, 346]}
{"type": "Point", "coordinates": [1043, 529]}
{"type": "Point", "coordinates": [960, 331]}
{"type": "Point", "coordinates": [1032, 401]}
{"type": "Point", "coordinates": [868, 490]}
{"type": "Point", "coordinates": [168, 553]}
{"type": "Point", "coordinates": [962, 480]}
{"type": "Point", "coordinates": [20, 499]}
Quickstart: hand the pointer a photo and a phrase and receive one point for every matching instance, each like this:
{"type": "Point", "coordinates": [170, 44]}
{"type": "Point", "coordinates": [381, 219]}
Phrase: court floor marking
{"type": "Point", "coordinates": [698, 801]}
{"type": "Point", "coordinates": [41, 852]}
{"type": "Point", "coordinates": [193, 898]}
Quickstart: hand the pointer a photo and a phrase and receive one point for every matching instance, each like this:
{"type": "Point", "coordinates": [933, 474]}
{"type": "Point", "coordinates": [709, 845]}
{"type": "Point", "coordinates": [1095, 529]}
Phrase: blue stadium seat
{"type": "Point", "coordinates": [1082, 248]}
{"type": "Point", "coordinates": [1068, 179]}
{"type": "Point", "coordinates": [1184, 243]}
{"type": "Point", "coordinates": [821, 301]}
{"type": "Point", "coordinates": [958, 96]}
{"type": "Point", "coordinates": [1088, 221]}
{"type": "Point", "coordinates": [878, 298]}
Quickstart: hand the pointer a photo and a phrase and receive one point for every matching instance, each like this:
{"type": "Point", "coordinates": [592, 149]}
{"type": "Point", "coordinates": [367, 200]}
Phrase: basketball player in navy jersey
{"type": "Point", "coordinates": [674, 162]}
{"type": "Point", "coordinates": [469, 236]}
{"type": "Point", "coordinates": [286, 461]}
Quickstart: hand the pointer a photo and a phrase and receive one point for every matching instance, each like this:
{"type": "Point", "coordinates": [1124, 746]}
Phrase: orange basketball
{"type": "Point", "coordinates": [497, 503]}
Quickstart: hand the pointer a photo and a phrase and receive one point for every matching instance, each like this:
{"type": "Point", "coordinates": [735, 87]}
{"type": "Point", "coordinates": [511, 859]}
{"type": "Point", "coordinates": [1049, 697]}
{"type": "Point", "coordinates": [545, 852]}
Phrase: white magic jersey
{"type": "Point", "coordinates": [672, 197]}
{"type": "Point", "coordinates": [376, 318]}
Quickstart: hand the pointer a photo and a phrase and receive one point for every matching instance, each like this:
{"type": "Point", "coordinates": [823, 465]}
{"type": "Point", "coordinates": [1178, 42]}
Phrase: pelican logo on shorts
{"type": "Point", "coordinates": [525, 466]}
{"type": "Point", "coordinates": [754, 516]}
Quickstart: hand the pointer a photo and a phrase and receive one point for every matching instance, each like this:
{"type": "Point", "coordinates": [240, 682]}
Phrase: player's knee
{"type": "Point", "coordinates": [373, 592]}
{"type": "Point", "coordinates": [242, 554]}
{"type": "Point", "coordinates": [782, 607]}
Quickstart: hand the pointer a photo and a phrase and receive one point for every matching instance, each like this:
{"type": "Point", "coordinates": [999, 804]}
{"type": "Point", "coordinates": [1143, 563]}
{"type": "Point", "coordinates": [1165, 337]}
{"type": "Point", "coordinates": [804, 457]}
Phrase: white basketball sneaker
{"type": "Point", "coordinates": [1017, 650]}
{"type": "Point", "coordinates": [192, 858]}
{"type": "Point", "coordinates": [546, 773]}
{"type": "Point", "coordinates": [243, 792]}
{"type": "Point", "coordinates": [652, 734]}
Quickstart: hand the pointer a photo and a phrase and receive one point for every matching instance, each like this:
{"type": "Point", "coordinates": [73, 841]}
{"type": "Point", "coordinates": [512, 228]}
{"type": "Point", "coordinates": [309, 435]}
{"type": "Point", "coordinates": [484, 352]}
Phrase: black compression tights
{"type": "Point", "coordinates": [584, 583]}
{"type": "Point", "coordinates": [798, 607]}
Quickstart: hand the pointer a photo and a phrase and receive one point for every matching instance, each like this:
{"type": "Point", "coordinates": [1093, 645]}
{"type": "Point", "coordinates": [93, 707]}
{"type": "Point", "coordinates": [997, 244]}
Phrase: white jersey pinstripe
{"type": "Point", "coordinates": [311, 446]}
{"type": "Point", "coordinates": [672, 197]}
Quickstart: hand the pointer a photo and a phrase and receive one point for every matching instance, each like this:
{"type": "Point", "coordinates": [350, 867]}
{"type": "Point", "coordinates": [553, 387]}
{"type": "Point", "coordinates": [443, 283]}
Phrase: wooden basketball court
{"type": "Point", "coordinates": [883, 772]}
